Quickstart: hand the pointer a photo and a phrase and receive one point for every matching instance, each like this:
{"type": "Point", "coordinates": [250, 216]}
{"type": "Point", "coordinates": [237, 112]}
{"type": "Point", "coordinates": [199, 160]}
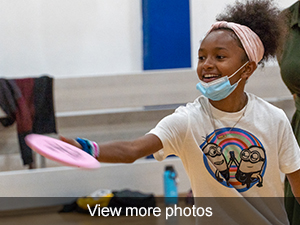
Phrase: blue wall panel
{"type": "Point", "coordinates": [166, 34]}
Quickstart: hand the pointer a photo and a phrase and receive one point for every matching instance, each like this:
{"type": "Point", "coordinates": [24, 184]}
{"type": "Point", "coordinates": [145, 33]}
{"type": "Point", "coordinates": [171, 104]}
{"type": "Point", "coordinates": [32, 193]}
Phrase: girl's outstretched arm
{"type": "Point", "coordinates": [124, 151]}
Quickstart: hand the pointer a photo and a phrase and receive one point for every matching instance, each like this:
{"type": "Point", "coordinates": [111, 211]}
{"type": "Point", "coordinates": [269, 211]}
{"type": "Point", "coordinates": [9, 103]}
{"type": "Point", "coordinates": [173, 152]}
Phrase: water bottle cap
{"type": "Point", "coordinates": [169, 167]}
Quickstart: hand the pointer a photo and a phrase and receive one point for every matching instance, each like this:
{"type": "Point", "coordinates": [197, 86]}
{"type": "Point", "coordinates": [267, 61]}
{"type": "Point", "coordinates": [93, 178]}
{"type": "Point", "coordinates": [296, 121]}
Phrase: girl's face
{"type": "Point", "coordinates": [220, 55]}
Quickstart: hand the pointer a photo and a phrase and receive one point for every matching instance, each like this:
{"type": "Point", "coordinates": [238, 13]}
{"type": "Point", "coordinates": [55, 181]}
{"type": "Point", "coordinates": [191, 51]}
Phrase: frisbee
{"type": "Point", "coordinates": [61, 151]}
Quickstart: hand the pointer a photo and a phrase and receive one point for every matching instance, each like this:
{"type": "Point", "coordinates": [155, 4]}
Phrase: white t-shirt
{"type": "Point", "coordinates": [224, 158]}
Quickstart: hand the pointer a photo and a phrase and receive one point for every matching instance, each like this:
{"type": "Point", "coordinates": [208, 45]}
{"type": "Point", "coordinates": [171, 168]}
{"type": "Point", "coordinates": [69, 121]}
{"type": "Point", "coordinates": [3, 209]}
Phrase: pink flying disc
{"type": "Point", "coordinates": [61, 151]}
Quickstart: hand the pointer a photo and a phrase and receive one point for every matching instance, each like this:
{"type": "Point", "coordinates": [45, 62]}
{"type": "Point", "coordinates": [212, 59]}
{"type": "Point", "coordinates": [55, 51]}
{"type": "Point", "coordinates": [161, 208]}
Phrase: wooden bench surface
{"type": "Point", "coordinates": [125, 91]}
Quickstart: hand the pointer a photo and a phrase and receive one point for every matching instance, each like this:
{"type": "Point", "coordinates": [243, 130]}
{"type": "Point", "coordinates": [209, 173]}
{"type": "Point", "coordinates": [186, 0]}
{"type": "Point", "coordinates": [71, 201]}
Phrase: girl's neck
{"type": "Point", "coordinates": [232, 103]}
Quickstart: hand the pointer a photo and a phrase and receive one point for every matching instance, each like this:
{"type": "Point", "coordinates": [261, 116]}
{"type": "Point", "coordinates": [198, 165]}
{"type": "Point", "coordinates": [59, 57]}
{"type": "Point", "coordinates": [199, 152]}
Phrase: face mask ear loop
{"type": "Point", "coordinates": [238, 70]}
{"type": "Point", "coordinates": [238, 81]}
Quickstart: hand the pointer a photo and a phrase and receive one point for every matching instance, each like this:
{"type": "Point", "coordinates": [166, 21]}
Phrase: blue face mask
{"type": "Point", "coordinates": [219, 89]}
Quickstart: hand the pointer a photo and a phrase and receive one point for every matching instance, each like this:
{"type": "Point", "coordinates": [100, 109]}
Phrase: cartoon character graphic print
{"type": "Point", "coordinates": [215, 155]}
{"type": "Point", "coordinates": [236, 160]}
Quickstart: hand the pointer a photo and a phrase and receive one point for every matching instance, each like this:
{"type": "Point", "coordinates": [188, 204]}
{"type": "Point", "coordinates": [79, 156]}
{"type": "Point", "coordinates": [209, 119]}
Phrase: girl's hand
{"type": "Point", "coordinates": [70, 141]}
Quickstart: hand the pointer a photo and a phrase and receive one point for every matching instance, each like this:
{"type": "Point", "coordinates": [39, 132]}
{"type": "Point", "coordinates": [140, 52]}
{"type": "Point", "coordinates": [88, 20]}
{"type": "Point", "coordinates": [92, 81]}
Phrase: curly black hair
{"type": "Point", "coordinates": [262, 17]}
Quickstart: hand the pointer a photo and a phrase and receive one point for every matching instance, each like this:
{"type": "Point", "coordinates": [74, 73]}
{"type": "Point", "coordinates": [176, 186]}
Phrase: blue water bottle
{"type": "Point", "coordinates": [170, 186]}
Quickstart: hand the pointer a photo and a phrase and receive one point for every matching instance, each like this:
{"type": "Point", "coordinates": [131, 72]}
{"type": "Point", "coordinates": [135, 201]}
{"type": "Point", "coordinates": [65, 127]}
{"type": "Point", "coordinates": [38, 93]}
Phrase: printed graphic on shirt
{"type": "Point", "coordinates": [235, 158]}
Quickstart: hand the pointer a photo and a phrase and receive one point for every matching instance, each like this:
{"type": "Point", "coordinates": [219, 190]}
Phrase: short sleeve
{"type": "Point", "coordinates": [171, 130]}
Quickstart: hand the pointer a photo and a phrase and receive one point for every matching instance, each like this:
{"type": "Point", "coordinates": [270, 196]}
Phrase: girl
{"type": "Point", "coordinates": [231, 143]}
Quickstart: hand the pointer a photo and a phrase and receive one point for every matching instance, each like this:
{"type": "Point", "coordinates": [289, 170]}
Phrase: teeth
{"type": "Point", "coordinates": [210, 75]}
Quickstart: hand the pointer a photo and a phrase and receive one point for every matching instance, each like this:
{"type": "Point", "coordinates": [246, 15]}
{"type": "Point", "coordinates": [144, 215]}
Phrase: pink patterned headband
{"type": "Point", "coordinates": [251, 42]}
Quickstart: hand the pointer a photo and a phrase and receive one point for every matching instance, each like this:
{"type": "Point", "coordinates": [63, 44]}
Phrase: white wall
{"type": "Point", "coordinates": [70, 37]}
{"type": "Point", "coordinates": [78, 37]}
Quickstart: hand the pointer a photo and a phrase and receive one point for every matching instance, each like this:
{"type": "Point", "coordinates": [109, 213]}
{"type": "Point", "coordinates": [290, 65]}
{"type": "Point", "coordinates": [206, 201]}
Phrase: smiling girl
{"type": "Point", "coordinates": [231, 143]}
